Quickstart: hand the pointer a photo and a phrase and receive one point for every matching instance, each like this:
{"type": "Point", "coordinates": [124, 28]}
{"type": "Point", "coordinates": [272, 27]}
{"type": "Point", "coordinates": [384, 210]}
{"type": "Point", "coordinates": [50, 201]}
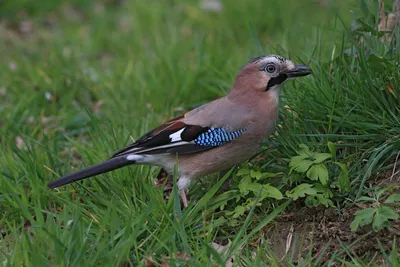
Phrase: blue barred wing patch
{"type": "Point", "coordinates": [217, 137]}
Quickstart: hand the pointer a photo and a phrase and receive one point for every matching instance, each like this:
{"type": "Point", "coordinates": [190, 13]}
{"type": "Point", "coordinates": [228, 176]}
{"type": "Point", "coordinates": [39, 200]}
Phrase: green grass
{"type": "Point", "coordinates": [114, 71]}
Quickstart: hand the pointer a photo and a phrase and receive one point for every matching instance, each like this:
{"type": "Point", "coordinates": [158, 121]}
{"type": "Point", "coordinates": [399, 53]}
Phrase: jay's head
{"type": "Point", "coordinates": [267, 73]}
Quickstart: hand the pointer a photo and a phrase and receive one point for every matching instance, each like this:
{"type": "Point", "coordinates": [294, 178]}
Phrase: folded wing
{"type": "Point", "coordinates": [176, 137]}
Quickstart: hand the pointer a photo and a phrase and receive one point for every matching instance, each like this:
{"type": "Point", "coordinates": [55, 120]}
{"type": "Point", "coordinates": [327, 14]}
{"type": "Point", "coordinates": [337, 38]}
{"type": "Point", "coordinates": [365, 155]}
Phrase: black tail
{"type": "Point", "coordinates": [109, 165]}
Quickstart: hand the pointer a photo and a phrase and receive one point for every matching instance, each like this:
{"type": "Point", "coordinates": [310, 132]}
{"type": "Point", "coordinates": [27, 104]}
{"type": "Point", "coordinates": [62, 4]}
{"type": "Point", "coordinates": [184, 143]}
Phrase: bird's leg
{"type": "Point", "coordinates": [184, 198]}
{"type": "Point", "coordinates": [183, 185]}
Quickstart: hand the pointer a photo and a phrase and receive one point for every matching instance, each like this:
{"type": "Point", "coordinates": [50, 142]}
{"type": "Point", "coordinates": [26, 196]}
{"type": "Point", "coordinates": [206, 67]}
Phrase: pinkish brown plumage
{"type": "Point", "coordinates": [215, 136]}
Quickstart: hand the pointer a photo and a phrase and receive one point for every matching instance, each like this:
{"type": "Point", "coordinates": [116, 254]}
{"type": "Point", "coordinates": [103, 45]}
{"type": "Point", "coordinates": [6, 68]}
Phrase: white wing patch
{"type": "Point", "coordinates": [176, 136]}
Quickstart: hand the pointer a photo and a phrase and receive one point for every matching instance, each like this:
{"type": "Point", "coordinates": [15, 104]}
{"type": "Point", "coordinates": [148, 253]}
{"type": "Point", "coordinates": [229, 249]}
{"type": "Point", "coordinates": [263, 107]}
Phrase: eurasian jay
{"type": "Point", "coordinates": [213, 137]}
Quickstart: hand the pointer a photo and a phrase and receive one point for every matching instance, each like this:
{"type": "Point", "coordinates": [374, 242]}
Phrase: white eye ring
{"type": "Point", "coordinates": [270, 68]}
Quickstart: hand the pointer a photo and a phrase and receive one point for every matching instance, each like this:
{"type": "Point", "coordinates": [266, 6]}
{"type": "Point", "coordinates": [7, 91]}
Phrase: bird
{"type": "Point", "coordinates": [213, 137]}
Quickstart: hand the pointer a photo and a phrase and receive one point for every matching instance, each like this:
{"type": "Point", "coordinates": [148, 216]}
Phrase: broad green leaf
{"type": "Point", "coordinates": [318, 172]}
{"type": "Point", "coordinates": [304, 150]}
{"type": "Point", "coordinates": [388, 212]}
{"type": "Point", "coordinates": [301, 191]}
{"type": "Point", "coordinates": [303, 166]}
{"type": "Point", "coordinates": [379, 222]}
{"type": "Point", "coordinates": [326, 202]}
{"type": "Point", "coordinates": [272, 191]}
{"type": "Point", "coordinates": [255, 174]}
{"type": "Point", "coordinates": [237, 212]}
{"type": "Point", "coordinates": [382, 216]}
{"type": "Point", "coordinates": [326, 192]}
{"type": "Point", "coordinates": [380, 191]}
{"type": "Point", "coordinates": [355, 224]}
{"type": "Point", "coordinates": [393, 198]}
{"type": "Point", "coordinates": [296, 160]}
{"type": "Point", "coordinates": [342, 166]}
{"type": "Point", "coordinates": [317, 200]}
{"type": "Point", "coordinates": [254, 187]}
{"type": "Point", "coordinates": [243, 172]}
{"type": "Point", "coordinates": [332, 149]}
{"type": "Point", "coordinates": [343, 178]}
{"type": "Point", "coordinates": [366, 213]}
{"type": "Point", "coordinates": [244, 185]}
{"type": "Point", "coordinates": [362, 217]}
{"type": "Point", "coordinates": [320, 157]}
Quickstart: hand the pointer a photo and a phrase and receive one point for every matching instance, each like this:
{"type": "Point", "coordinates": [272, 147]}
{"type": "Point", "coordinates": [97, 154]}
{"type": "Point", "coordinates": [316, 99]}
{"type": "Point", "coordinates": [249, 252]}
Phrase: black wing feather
{"type": "Point", "coordinates": [157, 140]}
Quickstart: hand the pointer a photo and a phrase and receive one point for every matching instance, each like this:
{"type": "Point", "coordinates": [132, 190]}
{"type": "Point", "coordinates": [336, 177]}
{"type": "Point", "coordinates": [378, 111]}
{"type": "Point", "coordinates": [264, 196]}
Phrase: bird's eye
{"type": "Point", "coordinates": [270, 68]}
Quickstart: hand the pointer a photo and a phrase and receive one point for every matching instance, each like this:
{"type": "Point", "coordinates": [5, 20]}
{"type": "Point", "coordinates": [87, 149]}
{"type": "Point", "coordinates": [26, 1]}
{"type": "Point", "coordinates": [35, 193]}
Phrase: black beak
{"type": "Point", "coordinates": [300, 70]}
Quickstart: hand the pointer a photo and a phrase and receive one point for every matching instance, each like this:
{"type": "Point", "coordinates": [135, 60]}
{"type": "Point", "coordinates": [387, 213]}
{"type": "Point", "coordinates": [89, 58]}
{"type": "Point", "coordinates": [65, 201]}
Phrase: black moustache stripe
{"type": "Point", "coordinates": [277, 80]}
